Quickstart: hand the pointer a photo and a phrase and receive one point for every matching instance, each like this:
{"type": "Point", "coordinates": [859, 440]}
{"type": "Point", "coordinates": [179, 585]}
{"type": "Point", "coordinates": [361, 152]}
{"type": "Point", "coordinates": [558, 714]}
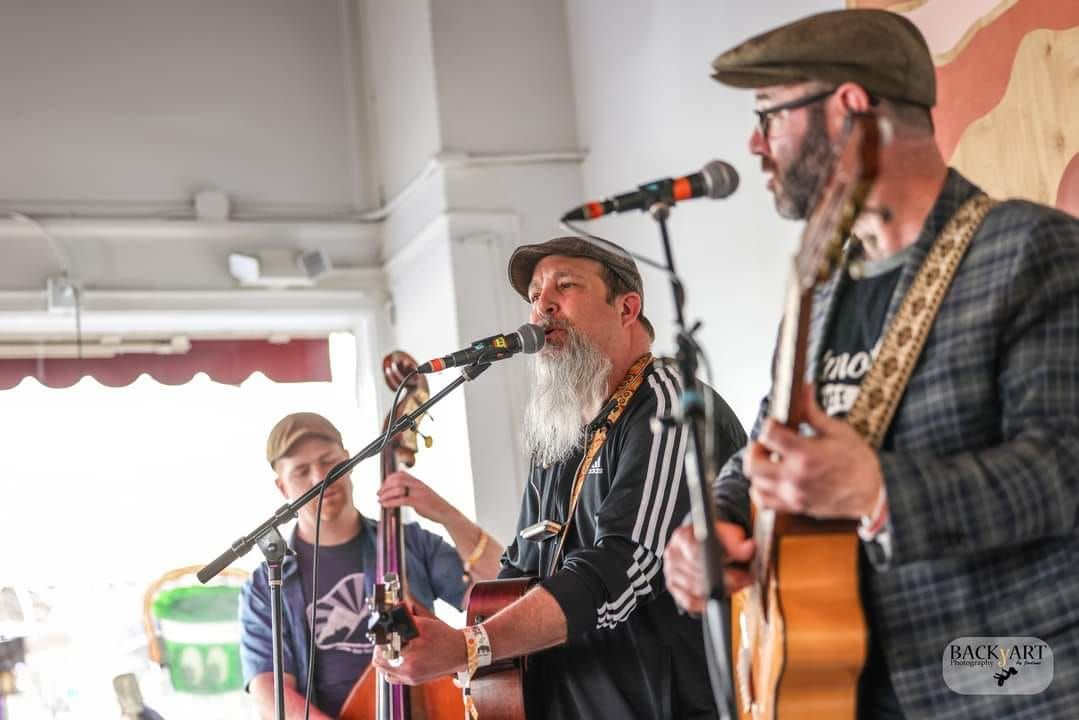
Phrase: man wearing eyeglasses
{"type": "Point", "coordinates": [968, 510]}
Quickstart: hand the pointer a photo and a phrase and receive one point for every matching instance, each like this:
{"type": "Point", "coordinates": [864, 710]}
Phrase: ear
{"type": "Point", "coordinates": [629, 307]}
{"type": "Point", "coordinates": [280, 486]}
{"type": "Point", "coordinates": [853, 98]}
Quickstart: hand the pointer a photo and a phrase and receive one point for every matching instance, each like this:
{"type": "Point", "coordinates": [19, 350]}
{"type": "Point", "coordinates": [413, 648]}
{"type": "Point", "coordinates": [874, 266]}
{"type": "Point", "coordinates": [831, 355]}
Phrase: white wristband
{"type": "Point", "coordinates": [478, 645]}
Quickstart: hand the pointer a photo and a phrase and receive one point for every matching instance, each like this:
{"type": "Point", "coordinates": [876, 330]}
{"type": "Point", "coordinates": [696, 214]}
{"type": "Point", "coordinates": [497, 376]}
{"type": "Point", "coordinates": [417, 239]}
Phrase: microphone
{"type": "Point", "coordinates": [717, 180]}
{"type": "Point", "coordinates": [527, 339]}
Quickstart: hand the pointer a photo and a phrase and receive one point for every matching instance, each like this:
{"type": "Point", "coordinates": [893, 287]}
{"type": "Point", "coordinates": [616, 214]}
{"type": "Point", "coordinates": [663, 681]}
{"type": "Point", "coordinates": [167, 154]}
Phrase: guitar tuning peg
{"type": "Point", "coordinates": [428, 441]}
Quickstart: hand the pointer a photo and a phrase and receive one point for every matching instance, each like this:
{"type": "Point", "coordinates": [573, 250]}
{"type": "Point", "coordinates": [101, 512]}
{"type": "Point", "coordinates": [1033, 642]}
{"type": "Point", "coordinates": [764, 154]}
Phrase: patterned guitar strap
{"type": "Point", "coordinates": [887, 378]}
{"type": "Point", "coordinates": [628, 386]}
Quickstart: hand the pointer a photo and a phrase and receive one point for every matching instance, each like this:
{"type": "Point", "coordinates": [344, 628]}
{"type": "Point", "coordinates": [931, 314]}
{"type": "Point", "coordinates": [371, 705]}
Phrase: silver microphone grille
{"type": "Point", "coordinates": [532, 338]}
{"type": "Point", "coordinates": [721, 177]}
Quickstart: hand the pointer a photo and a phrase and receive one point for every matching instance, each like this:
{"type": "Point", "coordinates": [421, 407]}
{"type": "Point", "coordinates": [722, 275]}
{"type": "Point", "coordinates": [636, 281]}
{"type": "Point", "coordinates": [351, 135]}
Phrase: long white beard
{"type": "Point", "coordinates": [570, 382]}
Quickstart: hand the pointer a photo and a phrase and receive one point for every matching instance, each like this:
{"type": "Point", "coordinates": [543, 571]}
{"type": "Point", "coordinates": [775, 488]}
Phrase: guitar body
{"type": "Point", "coordinates": [435, 700]}
{"type": "Point", "coordinates": [799, 633]}
{"type": "Point", "coordinates": [498, 689]}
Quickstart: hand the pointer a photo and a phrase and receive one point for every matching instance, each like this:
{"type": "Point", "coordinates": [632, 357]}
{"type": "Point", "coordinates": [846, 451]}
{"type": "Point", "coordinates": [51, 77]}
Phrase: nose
{"type": "Point", "coordinates": [545, 304]}
{"type": "Point", "coordinates": [758, 142]}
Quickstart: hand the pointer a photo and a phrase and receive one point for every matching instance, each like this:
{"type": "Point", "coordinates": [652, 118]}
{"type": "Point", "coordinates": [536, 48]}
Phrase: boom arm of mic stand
{"type": "Point", "coordinates": [283, 514]}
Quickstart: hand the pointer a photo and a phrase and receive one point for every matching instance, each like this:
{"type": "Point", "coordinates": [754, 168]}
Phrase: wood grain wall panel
{"type": "Point", "coordinates": [1007, 73]}
{"type": "Point", "coordinates": [1023, 145]}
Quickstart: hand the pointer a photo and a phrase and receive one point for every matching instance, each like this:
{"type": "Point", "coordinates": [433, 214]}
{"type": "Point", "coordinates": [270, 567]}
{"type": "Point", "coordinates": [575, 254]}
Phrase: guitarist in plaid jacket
{"type": "Point", "coordinates": [969, 510]}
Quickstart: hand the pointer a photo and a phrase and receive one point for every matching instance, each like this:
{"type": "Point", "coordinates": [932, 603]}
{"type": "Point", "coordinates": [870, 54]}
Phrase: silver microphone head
{"type": "Point", "coordinates": [532, 338]}
{"type": "Point", "coordinates": [721, 178]}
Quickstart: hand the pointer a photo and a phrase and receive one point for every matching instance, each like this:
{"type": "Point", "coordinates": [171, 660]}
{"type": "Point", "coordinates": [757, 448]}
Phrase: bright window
{"type": "Point", "coordinates": [104, 489]}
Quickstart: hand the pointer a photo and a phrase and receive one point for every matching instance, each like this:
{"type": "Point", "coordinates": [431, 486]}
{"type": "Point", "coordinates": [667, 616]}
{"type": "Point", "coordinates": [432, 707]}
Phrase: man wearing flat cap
{"type": "Point", "coordinates": [968, 507]}
{"type": "Point", "coordinates": [302, 448]}
{"type": "Point", "coordinates": [605, 491]}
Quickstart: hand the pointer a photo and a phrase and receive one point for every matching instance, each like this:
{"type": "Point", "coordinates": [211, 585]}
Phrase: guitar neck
{"type": "Point", "coordinates": [787, 404]}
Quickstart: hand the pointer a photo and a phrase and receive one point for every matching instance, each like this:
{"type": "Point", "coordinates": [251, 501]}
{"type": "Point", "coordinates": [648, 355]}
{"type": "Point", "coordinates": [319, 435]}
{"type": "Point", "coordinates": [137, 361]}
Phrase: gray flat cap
{"type": "Point", "coordinates": [524, 260]}
{"type": "Point", "coordinates": [877, 49]}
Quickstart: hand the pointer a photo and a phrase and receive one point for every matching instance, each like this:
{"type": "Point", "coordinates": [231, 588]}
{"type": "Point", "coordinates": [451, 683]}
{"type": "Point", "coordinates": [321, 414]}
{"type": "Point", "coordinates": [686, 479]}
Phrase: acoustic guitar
{"type": "Point", "coordinates": [798, 630]}
{"type": "Point", "coordinates": [498, 689]}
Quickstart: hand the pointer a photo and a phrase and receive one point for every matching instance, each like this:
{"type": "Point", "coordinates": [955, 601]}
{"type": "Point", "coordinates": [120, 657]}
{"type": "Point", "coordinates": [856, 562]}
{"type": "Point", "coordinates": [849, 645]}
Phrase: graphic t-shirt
{"type": "Point", "coordinates": [854, 336]}
{"type": "Point", "coordinates": [343, 651]}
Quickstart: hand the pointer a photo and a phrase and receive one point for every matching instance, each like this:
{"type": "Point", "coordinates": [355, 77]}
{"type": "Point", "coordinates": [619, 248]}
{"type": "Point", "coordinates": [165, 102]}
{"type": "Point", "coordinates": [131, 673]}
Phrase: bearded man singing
{"type": "Point", "coordinates": [605, 492]}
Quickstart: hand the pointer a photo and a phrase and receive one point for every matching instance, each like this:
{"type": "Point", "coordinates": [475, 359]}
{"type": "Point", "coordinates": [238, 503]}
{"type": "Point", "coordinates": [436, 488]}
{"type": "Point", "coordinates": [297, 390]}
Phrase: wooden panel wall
{"type": "Point", "coordinates": [1008, 91]}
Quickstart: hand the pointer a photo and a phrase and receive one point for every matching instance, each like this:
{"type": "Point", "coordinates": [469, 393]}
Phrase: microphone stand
{"type": "Point", "coordinates": [700, 469]}
{"type": "Point", "coordinates": [273, 546]}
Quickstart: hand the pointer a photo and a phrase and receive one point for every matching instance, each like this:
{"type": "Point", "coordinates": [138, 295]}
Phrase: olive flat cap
{"type": "Point", "coordinates": [290, 429]}
{"type": "Point", "coordinates": [524, 259]}
{"type": "Point", "coordinates": [877, 49]}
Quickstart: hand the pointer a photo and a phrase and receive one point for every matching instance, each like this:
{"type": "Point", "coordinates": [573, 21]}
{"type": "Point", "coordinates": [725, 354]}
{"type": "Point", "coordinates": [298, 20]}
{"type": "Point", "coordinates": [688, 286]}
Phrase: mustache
{"type": "Point", "coordinates": [550, 323]}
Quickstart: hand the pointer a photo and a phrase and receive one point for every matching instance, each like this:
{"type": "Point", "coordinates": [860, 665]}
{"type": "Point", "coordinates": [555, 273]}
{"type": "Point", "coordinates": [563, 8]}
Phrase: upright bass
{"type": "Point", "coordinates": [373, 697]}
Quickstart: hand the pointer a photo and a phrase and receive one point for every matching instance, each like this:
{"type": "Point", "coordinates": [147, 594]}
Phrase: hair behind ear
{"type": "Point", "coordinates": [910, 120]}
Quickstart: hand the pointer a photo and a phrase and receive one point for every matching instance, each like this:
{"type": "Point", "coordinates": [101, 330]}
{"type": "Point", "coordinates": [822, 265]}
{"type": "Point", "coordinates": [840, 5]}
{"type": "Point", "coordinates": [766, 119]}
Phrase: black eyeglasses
{"type": "Point", "coordinates": [764, 117]}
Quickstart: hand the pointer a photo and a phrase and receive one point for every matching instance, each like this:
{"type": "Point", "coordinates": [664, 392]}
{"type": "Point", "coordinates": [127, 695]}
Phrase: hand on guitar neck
{"type": "Point", "coordinates": [831, 474]}
{"type": "Point", "coordinates": [683, 566]}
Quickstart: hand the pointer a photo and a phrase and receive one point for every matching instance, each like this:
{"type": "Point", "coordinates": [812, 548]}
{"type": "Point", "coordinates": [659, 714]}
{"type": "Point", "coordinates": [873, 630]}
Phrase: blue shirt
{"type": "Point", "coordinates": [434, 570]}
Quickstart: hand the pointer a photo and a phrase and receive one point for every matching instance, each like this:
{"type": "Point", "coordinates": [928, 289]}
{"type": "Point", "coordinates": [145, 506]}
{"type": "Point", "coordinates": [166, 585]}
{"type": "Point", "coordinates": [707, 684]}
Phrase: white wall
{"type": "Point", "coordinates": [503, 75]}
{"type": "Point", "coordinates": [506, 164]}
{"type": "Point", "coordinates": [647, 108]}
{"type": "Point", "coordinates": [400, 70]}
{"type": "Point", "coordinates": [142, 102]}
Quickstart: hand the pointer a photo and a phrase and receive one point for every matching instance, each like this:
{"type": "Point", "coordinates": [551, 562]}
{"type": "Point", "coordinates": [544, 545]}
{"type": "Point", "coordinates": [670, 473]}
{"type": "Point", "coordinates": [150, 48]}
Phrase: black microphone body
{"type": "Point", "coordinates": [716, 180]}
{"type": "Point", "coordinates": [527, 339]}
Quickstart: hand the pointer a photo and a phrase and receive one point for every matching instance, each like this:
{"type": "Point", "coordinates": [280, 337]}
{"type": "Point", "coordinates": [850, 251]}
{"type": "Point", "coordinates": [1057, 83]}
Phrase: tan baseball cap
{"type": "Point", "coordinates": [877, 49]}
{"type": "Point", "coordinates": [525, 258]}
{"type": "Point", "coordinates": [292, 428]}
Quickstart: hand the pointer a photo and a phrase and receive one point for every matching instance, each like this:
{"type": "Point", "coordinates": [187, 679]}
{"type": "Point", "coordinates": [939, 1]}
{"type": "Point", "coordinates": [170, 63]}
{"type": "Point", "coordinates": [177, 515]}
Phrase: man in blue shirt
{"type": "Point", "coordinates": [302, 448]}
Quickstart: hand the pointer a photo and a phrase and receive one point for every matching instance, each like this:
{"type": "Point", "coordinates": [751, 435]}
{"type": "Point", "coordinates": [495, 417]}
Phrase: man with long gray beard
{"type": "Point", "coordinates": [605, 492]}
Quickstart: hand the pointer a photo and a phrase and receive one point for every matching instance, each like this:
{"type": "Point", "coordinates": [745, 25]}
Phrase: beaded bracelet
{"type": "Point", "coordinates": [474, 556]}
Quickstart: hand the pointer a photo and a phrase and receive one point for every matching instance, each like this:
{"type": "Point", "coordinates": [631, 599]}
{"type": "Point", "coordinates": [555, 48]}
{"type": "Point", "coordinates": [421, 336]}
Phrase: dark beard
{"type": "Point", "coordinates": [801, 184]}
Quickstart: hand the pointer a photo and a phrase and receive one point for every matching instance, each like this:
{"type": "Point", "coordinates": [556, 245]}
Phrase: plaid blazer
{"type": "Point", "coordinates": [981, 465]}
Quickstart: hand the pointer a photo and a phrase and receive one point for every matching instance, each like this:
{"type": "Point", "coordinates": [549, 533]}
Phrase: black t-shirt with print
{"type": "Point", "coordinates": [344, 651]}
{"type": "Point", "coordinates": [854, 336]}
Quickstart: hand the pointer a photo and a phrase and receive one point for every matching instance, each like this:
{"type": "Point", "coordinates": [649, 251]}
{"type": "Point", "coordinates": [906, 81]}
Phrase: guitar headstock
{"type": "Point", "coordinates": [854, 168]}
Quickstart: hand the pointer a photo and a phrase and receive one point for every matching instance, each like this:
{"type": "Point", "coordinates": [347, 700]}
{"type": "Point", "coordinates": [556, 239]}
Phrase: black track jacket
{"type": "Point", "coordinates": [631, 653]}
